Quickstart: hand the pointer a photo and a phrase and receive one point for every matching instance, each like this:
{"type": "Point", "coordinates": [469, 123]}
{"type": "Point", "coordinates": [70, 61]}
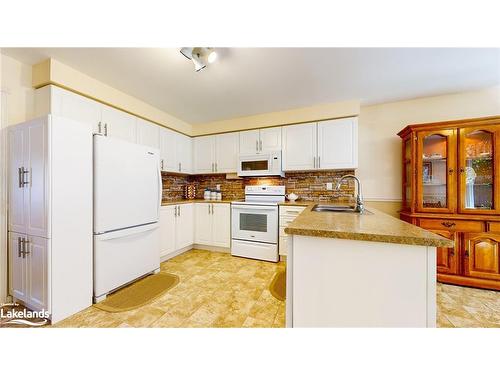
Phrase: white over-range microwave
{"type": "Point", "coordinates": [266, 164]}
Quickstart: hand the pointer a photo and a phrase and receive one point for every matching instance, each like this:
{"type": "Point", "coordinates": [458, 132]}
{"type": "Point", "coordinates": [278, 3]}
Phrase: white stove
{"type": "Point", "coordinates": [255, 223]}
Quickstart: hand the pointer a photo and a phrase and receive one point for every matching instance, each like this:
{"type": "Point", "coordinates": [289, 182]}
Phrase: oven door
{"type": "Point", "coordinates": [255, 223]}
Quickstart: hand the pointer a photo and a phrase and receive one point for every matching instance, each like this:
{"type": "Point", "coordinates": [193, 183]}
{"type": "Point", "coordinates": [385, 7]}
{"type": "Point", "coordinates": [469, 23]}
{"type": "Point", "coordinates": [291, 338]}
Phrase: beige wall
{"type": "Point", "coordinates": [54, 72]}
{"type": "Point", "coordinates": [380, 147]}
{"type": "Point", "coordinates": [292, 116]}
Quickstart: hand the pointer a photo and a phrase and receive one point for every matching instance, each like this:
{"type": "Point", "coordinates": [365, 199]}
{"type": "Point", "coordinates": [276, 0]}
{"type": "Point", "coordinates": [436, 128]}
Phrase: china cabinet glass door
{"type": "Point", "coordinates": [408, 172]}
{"type": "Point", "coordinates": [436, 177]}
{"type": "Point", "coordinates": [479, 163]}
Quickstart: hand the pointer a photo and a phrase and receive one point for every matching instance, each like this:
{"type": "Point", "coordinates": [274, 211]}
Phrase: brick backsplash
{"type": "Point", "coordinates": [307, 185]}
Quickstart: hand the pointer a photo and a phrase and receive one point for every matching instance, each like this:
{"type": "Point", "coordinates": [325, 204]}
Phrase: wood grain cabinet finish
{"type": "Point", "coordinates": [451, 186]}
{"type": "Point", "coordinates": [481, 255]}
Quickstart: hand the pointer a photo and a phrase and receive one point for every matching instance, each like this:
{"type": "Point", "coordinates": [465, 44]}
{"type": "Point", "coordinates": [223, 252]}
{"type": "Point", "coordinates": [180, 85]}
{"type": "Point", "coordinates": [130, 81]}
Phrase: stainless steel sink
{"type": "Point", "coordinates": [334, 208]}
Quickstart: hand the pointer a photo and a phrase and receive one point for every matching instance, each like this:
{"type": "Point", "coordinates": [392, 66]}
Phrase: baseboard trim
{"type": "Point", "coordinates": [175, 253]}
{"type": "Point", "coordinates": [217, 249]}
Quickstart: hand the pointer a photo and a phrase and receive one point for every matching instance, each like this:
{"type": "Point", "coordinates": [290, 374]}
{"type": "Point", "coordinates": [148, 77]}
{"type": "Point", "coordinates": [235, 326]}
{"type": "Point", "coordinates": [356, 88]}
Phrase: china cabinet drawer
{"type": "Point", "coordinates": [494, 226]}
{"type": "Point", "coordinates": [452, 225]}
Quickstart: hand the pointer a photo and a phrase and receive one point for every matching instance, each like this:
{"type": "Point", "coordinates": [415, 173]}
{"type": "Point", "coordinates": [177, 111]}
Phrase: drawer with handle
{"type": "Point", "coordinates": [494, 226]}
{"type": "Point", "coordinates": [452, 225]}
{"type": "Point", "coordinates": [291, 210]}
{"type": "Point", "coordinates": [286, 220]}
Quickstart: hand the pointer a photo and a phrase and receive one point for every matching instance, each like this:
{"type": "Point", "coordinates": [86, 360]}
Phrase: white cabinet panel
{"type": "Point", "coordinates": [148, 134]}
{"type": "Point", "coordinates": [203, 223]}
{"type": "Point", "coordinates": [226, 151]}
{"type": "Point", "coordinates": [337, 144]}
{"type": "Point", "coordinates": [17, 215]}
{"type": "Point", "coordinates": [36, 197]}
{"type": "Point", "coordinates": [249, 141]}
{"type": "Point", "coordinates": [167, 230]}
{"type": "Point", "coordinates": [184, 225]}
{"type": "Point", "coordinates": [119, 124]}
{"type": "Point", "coordinates": [270, 139]}
{"type": "Point", "coordinates": [17, 268]}
{"type": "Point", "coordinates": [299, 147]}
{"type": "Point", "coordinates": [37, 268]}
{"type": "Point", "coordinates": [168, 150]}
{"type": "Point", "coordinates": [204, 150]}
{"type": "Point", "coordinates": [57, 101]}
{"type": "Point", "coordinates": [184, 153]}
{"type": "Point", "coordinates": [221, 225]}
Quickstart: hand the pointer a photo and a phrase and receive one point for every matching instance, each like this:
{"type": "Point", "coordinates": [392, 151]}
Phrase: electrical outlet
{"type": "Point", "coordinates": [329, 186]}
{"type": "Point", "coordinates": [217, 187]}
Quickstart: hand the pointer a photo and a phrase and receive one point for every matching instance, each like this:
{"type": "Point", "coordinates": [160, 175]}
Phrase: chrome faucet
{"type": "Point", "coordinates": [359, 197]}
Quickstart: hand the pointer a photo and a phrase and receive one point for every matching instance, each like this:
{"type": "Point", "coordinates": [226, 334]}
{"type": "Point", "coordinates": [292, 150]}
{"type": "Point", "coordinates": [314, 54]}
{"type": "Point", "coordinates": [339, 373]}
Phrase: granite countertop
{"type": "Point", "coordinates": [184, 201]}
{"type": "Point", "coordinates": [377, 227]}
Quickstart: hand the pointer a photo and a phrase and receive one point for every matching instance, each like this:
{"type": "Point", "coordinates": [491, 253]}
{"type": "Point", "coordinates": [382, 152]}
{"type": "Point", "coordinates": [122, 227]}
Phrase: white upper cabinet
{"type": "Point", "coordinates": [325, 145]}
{"type": "Point", "coordinates": [184, 153]}
{"type": "Point", "coordinates": [338, 144]}
{"type": "Point", "coordinates": [148, 134]}
{"type": "Point", "coordinates": [270, 139]}
{"type": "Point", "coordinates": [260, 140]}
{"type": "Point", "coordinates": [168, 150]}
{"type": "Point", "coordinates": [28, 179]}
{"type": "Point", "coordinates": [216, 153]}
{"type": "Point", "coordinates": [204, 154]}
{"type": "Point", "coordinates": [226, 153]}
{"type": "Point", "coordinates": [299, 147]}
{"type": "Point", "coordinates": [60, 102]}
{"type": "Point", "coordinates": [119, 124]}
{"type": "Point", "coordinates": [249, 142]}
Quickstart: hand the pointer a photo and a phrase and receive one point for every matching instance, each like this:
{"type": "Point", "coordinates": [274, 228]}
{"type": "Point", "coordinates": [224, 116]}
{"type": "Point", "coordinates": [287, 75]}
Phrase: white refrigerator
{"type": "Point", "coordinates": [127, 200]}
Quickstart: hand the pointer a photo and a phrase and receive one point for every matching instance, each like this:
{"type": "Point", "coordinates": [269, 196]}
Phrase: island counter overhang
{"type": "Point", "coordinates": [351, 270]}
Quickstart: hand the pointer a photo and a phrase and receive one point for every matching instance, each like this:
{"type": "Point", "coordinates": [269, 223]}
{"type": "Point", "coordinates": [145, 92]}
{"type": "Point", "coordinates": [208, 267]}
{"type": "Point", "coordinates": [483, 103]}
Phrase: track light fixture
{"type": "Point", "coordinates": [200, 56]}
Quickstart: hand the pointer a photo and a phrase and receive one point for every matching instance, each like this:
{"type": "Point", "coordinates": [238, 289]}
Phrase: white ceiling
{"type": "Point", "coordinates": [247, 81]}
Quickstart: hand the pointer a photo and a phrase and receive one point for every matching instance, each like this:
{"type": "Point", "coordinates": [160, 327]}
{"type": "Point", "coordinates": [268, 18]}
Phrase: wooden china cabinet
{"type": "Point", "coordinates": [451, 186]}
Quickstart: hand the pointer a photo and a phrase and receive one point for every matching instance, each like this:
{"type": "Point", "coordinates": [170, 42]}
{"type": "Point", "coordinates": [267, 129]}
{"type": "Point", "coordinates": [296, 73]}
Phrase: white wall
{"type": "Point", "coordinates": [17, 105]}
{"type": "Point", "coordinates": [380, 147]}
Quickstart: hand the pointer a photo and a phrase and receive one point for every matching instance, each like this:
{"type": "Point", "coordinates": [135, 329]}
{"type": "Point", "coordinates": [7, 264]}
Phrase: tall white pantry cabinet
{"type": "Point", "coordinates": [50, 215]}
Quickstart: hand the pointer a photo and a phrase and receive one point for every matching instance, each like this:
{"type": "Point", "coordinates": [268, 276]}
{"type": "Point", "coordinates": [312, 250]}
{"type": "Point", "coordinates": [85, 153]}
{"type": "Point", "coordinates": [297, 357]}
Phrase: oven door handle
{"type": "Point", "coordinates": [247, 208]}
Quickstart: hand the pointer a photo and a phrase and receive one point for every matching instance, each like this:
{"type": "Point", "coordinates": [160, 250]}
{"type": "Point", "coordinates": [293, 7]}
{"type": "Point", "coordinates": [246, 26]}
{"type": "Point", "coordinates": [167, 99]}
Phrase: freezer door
{"type": "Point", "coordinates": [122, 256]}
{"type": "Point", "coordinates": [127, 184]}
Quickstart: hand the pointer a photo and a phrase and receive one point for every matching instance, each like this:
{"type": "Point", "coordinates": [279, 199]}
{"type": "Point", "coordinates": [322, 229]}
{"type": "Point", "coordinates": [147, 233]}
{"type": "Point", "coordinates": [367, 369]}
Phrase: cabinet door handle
{"type": "Point", "coordinates": [179, 167]}
{"type": "Point", "coordinates": [462, 169]}
{"type": "Point", "coordinates": [450, 171]}
{"type": "Point", "coordinates": [452, 252]}
{"type": "Point", "coordinates": [448, 224]}
{"type": "Point", "coordinates": [20, 174]}
{"type": "Point", "coordinates": [314, 161]}
{"type": "Point", "coordinates": [466, 253]}
{"type": "Point", "coordinates": [106, 129]}
{"type": "Point", "coordinates": [175, 211]}
{"type": "Point", "coordinates": [212, 167]}
{"type": "Point", "coordinates": [212, 208]}
{"type": "Point", "coordinates": [319, 161]}
{"type": "Point", "coordinates": [216, 166]}
{"type": "Point", "coordinates": [208, 209]}
{"type": "Point", "coordinates": [19, 245]}
{"type": "Point", "coordinates": [257, 145]}
{"type": "Point", "coordinates": [161, 163]}
{"type": "Point", "coordinates": [260, 145]}
{"type": "Point", "coordinates": [99, 128]}
{"type": "Point", "coordinates": [25, 251]}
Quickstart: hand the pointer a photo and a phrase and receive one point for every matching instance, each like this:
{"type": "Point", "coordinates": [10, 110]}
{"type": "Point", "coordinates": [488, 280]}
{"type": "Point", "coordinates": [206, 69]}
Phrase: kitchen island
{"type": "Point", "coordinates": [346, 269]}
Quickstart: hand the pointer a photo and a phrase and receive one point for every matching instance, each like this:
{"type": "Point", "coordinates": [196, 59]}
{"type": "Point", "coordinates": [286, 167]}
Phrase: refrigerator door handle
{"type": "Point", "coordinates": [121, 233]}
{"type": "Point", "coordinates": [160, 191]}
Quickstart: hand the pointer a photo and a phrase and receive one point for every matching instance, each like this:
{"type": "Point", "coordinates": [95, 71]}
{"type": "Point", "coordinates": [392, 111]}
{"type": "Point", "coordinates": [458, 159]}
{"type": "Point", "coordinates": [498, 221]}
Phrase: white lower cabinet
{"type": "Point", "coordinates": [176, 228]}
{"type": "Point", "coordinates": [213, 224]}
{"type": "Point", "coordinates": [29, 277]}
{"type": "Point", "coordinates": [287, 215]}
